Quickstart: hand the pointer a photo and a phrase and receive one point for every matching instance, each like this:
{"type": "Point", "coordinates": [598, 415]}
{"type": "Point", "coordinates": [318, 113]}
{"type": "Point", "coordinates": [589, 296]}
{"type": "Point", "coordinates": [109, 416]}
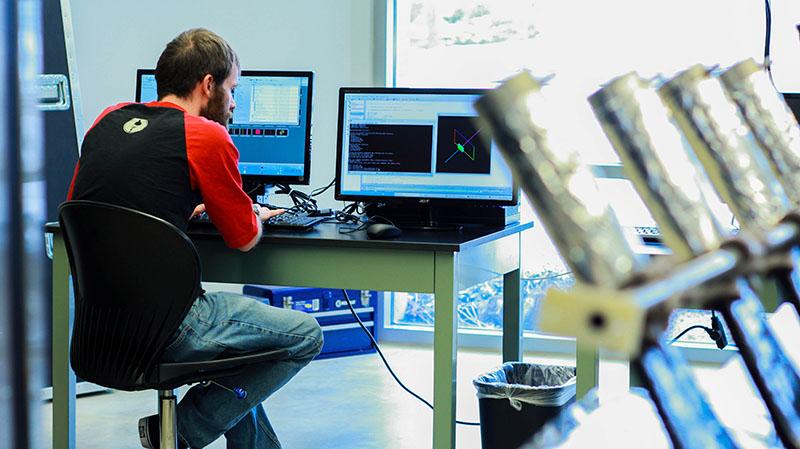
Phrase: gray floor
{"type": "Point", "coordinates": [349, 402]}
{"type": "Point", "coordinates": [353, 402]}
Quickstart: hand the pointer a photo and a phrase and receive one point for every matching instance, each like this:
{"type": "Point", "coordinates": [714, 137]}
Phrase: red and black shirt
{"type": "Point", "coordinates": [158, 159]}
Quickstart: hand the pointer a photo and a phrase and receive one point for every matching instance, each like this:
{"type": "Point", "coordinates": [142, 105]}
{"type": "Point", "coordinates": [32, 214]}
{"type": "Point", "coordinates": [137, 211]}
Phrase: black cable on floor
{"type": "Point", "coordinates": [386, 363]}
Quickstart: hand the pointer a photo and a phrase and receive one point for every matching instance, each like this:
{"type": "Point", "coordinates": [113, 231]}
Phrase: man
{"type": "Point", "coordinates": [172, 158]}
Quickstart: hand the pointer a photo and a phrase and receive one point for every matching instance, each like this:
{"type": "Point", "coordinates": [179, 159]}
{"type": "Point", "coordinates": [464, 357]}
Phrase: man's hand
{"type": "Point", "coordinates": [265, 213]}
{"type": "Point", "coordinates": [198, 210]}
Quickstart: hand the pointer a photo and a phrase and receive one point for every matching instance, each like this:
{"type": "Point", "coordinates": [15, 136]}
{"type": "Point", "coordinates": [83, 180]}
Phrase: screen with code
{"type": "Point", "coordinates": [417, 143]}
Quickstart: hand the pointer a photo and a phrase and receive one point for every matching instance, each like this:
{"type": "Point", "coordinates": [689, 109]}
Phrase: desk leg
{"type": "Point", "coordinates": [512, 317]}
{"type": "Point", "coordinates": [63, 377]}
{"type": "Point", "coordinates": [444, 351]}
{"type": "Point", "coordinates": [587, 363]}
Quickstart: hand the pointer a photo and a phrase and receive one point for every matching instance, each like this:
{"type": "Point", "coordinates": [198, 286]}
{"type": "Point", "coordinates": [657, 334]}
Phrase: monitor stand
{"type": "Point", "coordinates": [260, 193]}
{"type": "Point", "coordinates": [430, 220]}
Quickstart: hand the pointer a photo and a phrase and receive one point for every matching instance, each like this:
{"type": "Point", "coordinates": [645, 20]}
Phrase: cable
{"type": "Point", "coordinates": [716, 325]}
{"type": "Point", "coordinates": [352, 230]}
{"type": "Point", "coordinates": [303, 203]}
{"type": "Point", "coordinates": [767, 38]}
{"type": "Point", "coordinates": [348, 214]}
{"type": "Point", "coordinates": [257, 186]}
{"type": "Point", "coordinates": [691, 328]}
{"type": "Point", "coordinates": [349, 217]}
{"type": "Point", "coordinates": [715, 332]}
{"type": "Point", "coordinates": [386, 363]}
{"type": "Point", "coordinates": [321, 190]}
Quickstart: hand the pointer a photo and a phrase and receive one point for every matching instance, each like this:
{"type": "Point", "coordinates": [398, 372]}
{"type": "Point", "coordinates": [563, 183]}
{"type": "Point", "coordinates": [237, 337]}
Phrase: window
{"type": "Point", "coordinates": [478, 43]}
{"type": "Point", "coordinates": [578, 45]}
{"type": "Point", "coordinates": [481, 306]}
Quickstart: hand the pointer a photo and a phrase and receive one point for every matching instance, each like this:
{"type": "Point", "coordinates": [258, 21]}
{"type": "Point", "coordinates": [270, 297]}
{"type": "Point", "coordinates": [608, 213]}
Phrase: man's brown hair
{"type": "Point", "coordinates": [191, 56]}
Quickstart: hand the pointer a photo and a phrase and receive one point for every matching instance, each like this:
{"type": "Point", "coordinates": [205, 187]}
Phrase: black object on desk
{"type": "Point", "coordinates": [292, 222]}
{"type": "Point", "coordinates": [383, 231]}
{"type": "Point", "coordinates": [327, 234]}
{"type": "Point", "coordinates": [288, 221]}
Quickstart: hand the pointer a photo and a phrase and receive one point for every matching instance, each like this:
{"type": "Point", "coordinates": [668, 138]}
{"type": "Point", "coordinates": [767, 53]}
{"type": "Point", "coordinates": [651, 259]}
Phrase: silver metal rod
{"type": "Point", "coordinates": [770, 120]}
{"type": "Point", "coordinates": [166, 411]}
{"type": "Point", "coordinates": [703, 269]}
{"type": "Point", "coordinates": [727, 148]}
{"type": "Point", "coordinates": [575, 214]}
{"type": "Point", "coordinates": [781, 237]}
{"type": "Point", "coordinates": [664, 172]}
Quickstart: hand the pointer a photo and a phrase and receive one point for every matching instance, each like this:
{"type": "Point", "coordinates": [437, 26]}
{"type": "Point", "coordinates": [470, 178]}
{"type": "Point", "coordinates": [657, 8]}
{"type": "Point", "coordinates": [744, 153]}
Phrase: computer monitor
{"type": "Point", "coordinates": [793, 101]}
{"type": "Point", "coordinates": [271, 125]}
{"type": "Point", "coordinates": [418, 147]}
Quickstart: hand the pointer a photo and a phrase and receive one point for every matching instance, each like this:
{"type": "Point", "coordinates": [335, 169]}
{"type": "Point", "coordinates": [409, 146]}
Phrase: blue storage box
{"type": "Point", "coordinates": [343, 335]}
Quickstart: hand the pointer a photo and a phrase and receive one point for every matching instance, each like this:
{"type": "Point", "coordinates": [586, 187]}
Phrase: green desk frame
{"type": "Point", "coordinates": [423, 265]}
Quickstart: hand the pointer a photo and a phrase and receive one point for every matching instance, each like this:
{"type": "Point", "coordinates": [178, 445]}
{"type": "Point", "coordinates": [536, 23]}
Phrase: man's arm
{"type": "Point", "coordinates": [213, 171]}
{"type": "Point", "coordinates": [264, 214]}
{"type": "Point", "coordinates": [252, 243]}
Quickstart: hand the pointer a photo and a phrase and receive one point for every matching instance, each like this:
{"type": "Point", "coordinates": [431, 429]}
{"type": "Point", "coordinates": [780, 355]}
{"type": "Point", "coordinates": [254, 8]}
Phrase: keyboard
{"type": "Point", "coordinates": [286, 221]}
{"type": "Point", "coordinates": [292, 222]}
{"type": "Point", "coordinates": [650, 235]}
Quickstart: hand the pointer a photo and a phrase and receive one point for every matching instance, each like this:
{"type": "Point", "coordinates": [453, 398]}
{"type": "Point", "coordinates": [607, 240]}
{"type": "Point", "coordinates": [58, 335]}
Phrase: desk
{"type": "Point", "coordinates": [442, 263]}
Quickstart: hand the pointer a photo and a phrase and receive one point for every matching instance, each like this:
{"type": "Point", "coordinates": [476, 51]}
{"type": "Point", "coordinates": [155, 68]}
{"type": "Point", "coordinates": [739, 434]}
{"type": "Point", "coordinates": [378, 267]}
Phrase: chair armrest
{"type": "Point", "coordinates": [173, 375]}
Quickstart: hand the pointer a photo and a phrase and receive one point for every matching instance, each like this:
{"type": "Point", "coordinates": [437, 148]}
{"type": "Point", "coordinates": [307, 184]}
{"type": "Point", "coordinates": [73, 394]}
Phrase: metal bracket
{"type": "Point", "coordinates": [52, 93]}
{"type": "Point", "coordinates": [48, 244]}
{"type": "Point", "coordinates": [594, 315]}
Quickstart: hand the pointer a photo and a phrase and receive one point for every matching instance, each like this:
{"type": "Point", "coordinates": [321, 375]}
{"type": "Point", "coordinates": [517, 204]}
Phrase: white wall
{"type": "Point", "coordinates": [340, 41]}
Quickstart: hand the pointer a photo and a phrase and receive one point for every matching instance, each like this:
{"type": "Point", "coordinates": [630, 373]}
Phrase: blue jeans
{"type": "Point", "coordinates": [230, 323]}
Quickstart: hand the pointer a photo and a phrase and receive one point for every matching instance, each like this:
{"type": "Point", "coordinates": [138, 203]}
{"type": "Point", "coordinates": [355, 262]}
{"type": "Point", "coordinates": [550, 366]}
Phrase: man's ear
{"type": "Point", "coordinates": [207, 85]}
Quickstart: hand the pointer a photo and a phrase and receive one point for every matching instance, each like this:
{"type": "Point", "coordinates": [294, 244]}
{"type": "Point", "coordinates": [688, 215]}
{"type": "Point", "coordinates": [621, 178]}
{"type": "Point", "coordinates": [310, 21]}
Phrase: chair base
{"type": "Point", "coordinates": [160, 431]}
{"type": "Point", "coordinates": [167, 404]}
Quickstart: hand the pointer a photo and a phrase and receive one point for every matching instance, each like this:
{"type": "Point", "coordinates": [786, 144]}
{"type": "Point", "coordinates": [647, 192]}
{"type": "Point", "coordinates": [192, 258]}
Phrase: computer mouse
{"type": "Point", "coordinates": [383, 231]}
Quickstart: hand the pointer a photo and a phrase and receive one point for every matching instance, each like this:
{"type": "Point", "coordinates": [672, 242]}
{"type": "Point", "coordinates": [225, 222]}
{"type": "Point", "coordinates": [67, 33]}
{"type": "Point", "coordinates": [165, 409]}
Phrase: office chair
{"type": "Point", "coordinates": [135, 277]}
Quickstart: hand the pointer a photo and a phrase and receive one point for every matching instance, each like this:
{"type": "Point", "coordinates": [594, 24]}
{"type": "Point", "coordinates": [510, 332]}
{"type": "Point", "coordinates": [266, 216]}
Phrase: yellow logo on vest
{"type": "Point", "coordinates": [134, 125]}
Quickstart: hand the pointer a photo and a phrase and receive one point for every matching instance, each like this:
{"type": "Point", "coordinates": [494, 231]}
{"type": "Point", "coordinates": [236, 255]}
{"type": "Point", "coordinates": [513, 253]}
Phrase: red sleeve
{"type": "Point", "coordinates": [72, 184]}
{"type": "Point", "coordinates": [213, 170]}
{"type": "Point", "coordinates": [96, 121]}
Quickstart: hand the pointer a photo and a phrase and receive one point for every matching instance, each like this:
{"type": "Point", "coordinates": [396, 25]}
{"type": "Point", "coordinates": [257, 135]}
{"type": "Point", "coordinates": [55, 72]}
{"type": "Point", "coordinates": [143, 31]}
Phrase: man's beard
{"type": "Point", "coordinates": [215, 109]}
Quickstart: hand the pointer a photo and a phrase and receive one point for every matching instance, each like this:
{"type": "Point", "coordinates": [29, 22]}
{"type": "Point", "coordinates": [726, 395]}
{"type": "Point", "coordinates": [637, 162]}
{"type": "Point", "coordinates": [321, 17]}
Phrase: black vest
{"type": "Point", "coordinates": [136, 157]}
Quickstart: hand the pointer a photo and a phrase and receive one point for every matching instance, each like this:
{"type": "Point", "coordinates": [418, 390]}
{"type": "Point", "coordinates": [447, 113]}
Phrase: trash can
{"type": "Point", "coordinates": [516, 399]}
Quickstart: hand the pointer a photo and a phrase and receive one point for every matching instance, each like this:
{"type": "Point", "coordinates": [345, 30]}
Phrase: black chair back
{"type": "Point", "coordinates": [135, 276]}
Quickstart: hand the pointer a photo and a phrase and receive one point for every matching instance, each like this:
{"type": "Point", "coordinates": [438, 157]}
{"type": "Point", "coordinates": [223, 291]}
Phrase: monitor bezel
{"type": "Point", "coordinates": [792, 95]}
{"type": "Point", "coordinates": [338, 195]}
{"type": "Point", "coordinates": [795, 97]}
{"type": "Point", "coordinates": [139, 74]}
{"type": "Point", "coordinates": [303, 179]}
